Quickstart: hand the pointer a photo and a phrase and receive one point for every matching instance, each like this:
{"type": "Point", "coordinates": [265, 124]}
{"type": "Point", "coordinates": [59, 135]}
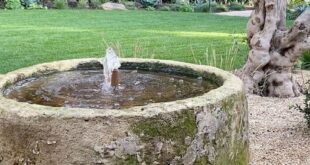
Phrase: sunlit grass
{"type": "Point", "coordinates": [32, 37]}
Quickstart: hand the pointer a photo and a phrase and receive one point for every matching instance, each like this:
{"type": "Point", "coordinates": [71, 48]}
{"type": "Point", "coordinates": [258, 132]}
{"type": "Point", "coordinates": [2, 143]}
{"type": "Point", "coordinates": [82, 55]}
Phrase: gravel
{"type": "Point", "coordinates": [278, 134]}
{"type": "Point", "coordinates": [245, 13]}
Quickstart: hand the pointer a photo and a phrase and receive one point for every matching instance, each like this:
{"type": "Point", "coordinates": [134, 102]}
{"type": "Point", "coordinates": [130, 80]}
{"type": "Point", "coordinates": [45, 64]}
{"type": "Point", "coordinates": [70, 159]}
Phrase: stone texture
{"type": "Point", "coordinates": [113, 6]}
{"type": "Point", "coordinates": [207, 129]}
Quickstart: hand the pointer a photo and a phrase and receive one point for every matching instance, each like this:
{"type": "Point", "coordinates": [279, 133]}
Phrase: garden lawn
{"type": "Point", "coordinates": [30, 37]}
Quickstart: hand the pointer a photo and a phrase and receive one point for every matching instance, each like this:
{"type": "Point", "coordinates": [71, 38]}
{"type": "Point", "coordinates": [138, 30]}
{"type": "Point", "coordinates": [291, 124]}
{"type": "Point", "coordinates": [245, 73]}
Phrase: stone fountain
{"type": "Point", "coordinates": [160, 112]}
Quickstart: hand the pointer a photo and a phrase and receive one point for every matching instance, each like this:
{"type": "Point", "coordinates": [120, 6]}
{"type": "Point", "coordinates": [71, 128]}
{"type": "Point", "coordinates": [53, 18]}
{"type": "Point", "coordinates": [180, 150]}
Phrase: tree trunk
{"type": "Point", "coordinates": [274, 50]}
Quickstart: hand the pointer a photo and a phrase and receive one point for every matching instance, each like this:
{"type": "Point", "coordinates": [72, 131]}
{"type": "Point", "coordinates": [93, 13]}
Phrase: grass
{"type": "Point", "coordinates": [34, 36]}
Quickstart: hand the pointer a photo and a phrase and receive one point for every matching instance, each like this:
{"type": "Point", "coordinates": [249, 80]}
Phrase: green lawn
{"type": "Point", "coordinates": [34, 36]}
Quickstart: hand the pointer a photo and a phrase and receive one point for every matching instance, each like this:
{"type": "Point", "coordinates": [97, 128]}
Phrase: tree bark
{"type": "Point", "coordinates": [274, 50]}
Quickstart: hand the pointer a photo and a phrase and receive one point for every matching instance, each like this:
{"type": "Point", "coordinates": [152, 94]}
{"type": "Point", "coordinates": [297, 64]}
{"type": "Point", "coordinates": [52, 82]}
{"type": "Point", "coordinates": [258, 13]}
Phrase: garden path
{"type": "Point", "coordinates": [245, 13]}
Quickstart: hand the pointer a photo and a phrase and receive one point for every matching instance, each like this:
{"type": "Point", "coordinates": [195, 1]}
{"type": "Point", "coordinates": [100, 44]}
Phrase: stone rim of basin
{"type": "Point", "coordinates": [231, 85]}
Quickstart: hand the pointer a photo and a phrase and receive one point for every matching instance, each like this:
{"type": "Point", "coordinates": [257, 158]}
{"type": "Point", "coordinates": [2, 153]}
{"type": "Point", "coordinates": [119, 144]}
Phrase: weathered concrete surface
{"type": "Point", "coordinates": [207, 129]}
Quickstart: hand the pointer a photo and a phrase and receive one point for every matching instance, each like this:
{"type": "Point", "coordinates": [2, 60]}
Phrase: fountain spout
{"type": "Point", "coordinates": [111, 64]}
{"type": "Point", "coordinates": [114, 79]}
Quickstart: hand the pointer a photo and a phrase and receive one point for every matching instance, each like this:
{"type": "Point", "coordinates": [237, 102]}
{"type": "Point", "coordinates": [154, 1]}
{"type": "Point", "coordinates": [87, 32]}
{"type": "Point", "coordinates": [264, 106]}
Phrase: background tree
{"type": "Point", "coordinates": [274, 50]}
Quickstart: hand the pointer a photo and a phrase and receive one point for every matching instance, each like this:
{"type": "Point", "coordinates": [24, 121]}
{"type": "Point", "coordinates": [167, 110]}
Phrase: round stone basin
{"type": "Point", "coordinates": [163, 112]}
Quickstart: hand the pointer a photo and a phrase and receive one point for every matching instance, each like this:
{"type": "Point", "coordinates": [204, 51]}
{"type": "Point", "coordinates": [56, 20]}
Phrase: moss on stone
{"type": "Point", "coordinates": [202, 161]}
{"type": "Point", "coordinates": [129, 160]}
{"type": "Point", "coordinates": [174, 127]}
{"type": "Point", "coordinates": [241, 156]}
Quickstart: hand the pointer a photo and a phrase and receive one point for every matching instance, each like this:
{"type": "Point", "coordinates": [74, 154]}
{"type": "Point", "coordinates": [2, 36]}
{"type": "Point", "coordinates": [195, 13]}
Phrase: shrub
{"type": "Point", "coordinates": [48, 4]}
{"type": "Point", "coordinates": [13, 4]}
{"type": "Point", "coordinates": [182, 2]}
{"type": "Point", "coordinates": [306, 60]}
{"type": "Point", "coordinates": [182, 8]}
{"type": "Point", "coordinates": [220, 8]}
{"type": "Point", "coordinates": [306, 107]}
{"type": "Point", "coordinates": [165, 8]}
{"type": "Point", "coordinates": [36, 6]}
{"type": "Point", "coordinates": [130, 5]}
{"type": "Point", "coordinates": [235, 6]}
{"type": "Point", "coordinates": [72, 3]}
{"type": "Point", "coordinates": [60, 4]}
{"type": "Point", "coordinates": [294, 3]}
{"type": "Point", "coordinates": [186, 8]}
{"type": "Point", "coordinates": [293, 14]}
{"type": "Point", "coordinates": [204, 7]}
{"type": "Point", "coordinates": [27, 3]}
{"type": "Point", "coordinates": [94, 4]}
{"type": "Point", "coordinates": [150, 8]}
{"type": "Point", "coordinates": [1, 4]}
{"type": "Point", "coordinates": [83, 4]}
{"type": "Point", "coordinates": [147, 3]}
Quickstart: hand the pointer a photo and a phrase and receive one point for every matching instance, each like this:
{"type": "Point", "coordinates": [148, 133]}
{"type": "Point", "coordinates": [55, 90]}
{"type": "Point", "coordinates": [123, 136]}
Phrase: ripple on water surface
{"type": "Point", "coordinates": [83, 89]}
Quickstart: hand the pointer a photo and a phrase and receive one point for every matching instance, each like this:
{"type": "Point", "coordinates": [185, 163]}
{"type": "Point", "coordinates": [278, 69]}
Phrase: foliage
{"type": "Point", "coordinates": [235, 6]}
{"type": "Point", "coordinates": [297, 11]}
{"type": "Point", "coordinates": [147, 3]}
{"type": "Point", "coordinates": [306, 106]}
{"type": "Point", "coordinates": [1, 4]}
{"type": "Point", "coordinates": [13, 4]}
{"type": "Point", "coordinates": [182, 2]}
{"type": "Point", "coordinates": [95, 4]}
{"type": "Point", "coordinates": [220, 8]}
{"type": "Point", "coordinates": [72, 3]}
{"type": "Point", "coordinates": [60, 4]}
{"type": "Point", "coordinates": [181, 7]}
{"type": "Point", "coordinates": [35, 6]}
{"type": "Point", "coordinates": [165, 8]}
{"type": "Point", "coordinates": [204, 7]}
{"type": "Point", "coordinates": [294, 3]}
{"type": "Point", "coordinates": [306, 60]}
{"type": "Point", "coordinates": [130, 5]}
{"type": "Point", "coordinates": [83, 4]}
{"type": "Point", "coordinates": [28, 3]}
{"type": "Point", "coordinates": [150, 8]}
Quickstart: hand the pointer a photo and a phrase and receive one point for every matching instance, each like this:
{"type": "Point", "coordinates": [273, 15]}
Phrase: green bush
{"type": "Point", "coordinates": [220, 8]}
{"type": "Point", "coordinates": [130, 5]}
{"type": "Point", "coordinates": [13, 4]}
{"type": "Point", "coordinates": [306, 107]}
{"type": "Point", "coordinates": [204, 7]}
{"type": "Point", "coordinates": [95, 4]}
{"type": "Point", "coordinates": [60, 4]}
{"type": "Point", "coordinates": [83, 4]}
{"type": "Point", "coordinates": [182, 8]}
{"type": "Point", "coordinates": [296, 12]}
{"type": "Point", "coordinates": [36, 6]}
{"type": "Point", "coordinates": [27, 3]}
{"type": "Point", "coordinates": [165, 8]}
{"type": "Point", "coordinates": [235, 6]}
{"type": "Point", "coordinates": [1, 4]}
{"type": "Point", "coordinates": [306, 60]}
{"type": "Point", "coordinates": [294, 3]}
{"type": "Point", "coordinates": [182, 2]}
{"type": "Point", "coordinates": [150, 8]}
{"type": "Point", "coordinates": [147, 3]}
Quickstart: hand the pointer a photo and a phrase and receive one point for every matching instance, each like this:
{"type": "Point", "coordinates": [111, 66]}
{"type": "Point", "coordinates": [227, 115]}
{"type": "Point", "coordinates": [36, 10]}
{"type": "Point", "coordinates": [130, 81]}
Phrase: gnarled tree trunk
{"type": "Point", "coordinates": [274, 50]}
